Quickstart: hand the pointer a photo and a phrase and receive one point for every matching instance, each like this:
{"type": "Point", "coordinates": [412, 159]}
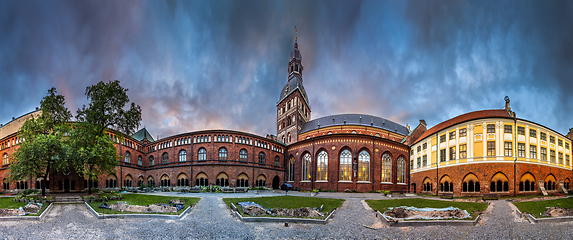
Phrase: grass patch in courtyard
{"type": "Point", "coordinates": [536, 208]}
{"type": "Point", "coordinates": [383, 205]}
{"type": "Point", "coordinates": [289, 202]}
{"type": "Point", "coordinates": [9, 203]}
{"type": "Point", "coordinates": [143, 200]}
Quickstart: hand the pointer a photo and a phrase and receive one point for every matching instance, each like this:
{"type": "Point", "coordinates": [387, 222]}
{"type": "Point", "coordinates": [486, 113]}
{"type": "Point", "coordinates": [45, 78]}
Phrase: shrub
{"type": "Point", "coordinates": [387, 192]}
{"type": "Point", "coordinates": [30, 191]}
{"type": "Point", "coordinates": [216, 189]}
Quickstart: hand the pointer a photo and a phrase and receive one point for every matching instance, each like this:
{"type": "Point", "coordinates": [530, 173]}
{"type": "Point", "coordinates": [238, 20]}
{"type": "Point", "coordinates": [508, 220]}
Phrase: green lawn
{"type": "Point", "coordinates": [289, 202]}
{"type": "Point", "coordinates": [536, 208]}
{"type": "Point", "coordinates": [143, 200]}
{"type": "Point", "coordinates": [8, 202]}
{"type": "Point", "coordinates": [383, 205]}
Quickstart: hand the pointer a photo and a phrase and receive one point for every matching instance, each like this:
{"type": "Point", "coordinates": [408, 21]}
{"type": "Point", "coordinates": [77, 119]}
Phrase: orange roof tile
{"type": "Point", "coordinates": [462, 118]}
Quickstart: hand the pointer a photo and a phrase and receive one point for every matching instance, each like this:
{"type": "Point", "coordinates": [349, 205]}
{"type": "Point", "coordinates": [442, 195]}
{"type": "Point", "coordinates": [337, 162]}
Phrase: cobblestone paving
{"type": "Point", "coordinates": [210, 219]}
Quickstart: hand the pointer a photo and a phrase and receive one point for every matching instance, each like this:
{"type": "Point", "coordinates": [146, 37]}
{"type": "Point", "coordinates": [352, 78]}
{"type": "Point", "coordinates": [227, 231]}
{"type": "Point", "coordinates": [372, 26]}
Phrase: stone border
{"type": "Point", "coordinates": [427, 223]}
{"type": "Point", "coordinates": [277, 219]}
{"type": "Point", "coordinates": [534, 220]}
{"type": "Point", "coordinates": [37, 218]}
{"type": "Point", "coordinates": [161, 216]}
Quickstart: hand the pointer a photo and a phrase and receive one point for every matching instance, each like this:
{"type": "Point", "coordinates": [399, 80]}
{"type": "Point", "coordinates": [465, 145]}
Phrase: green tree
{"type": "Point", "coordinates": [43, 149]}
{"type": "Point", "coordinates": [92, 149]}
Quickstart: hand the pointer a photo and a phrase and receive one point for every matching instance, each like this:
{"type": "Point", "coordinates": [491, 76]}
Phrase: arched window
{"type": "Point", "coordinates": [202, 155]}
{"type": "Point", "coordinates": [201, 180]}
{"type": "Point", "coordinates": [446, 184]}
{"type": "Point", "coordinates": [151, 163]}
{"type": "Point", "coordinates": [182, 156]}
{"type": "Point", "coordinates": [386, 168]}
{"type": "Point", "coordinates": [222, 180]}
{"type": "Point", "coordinates": [165, 158]}
{"type": "Point", "coordinates": [277, 161]}
{"type": "Point", "coordinates": [322, 166]}
{"type": "Point", "coordinates": [140, 181]}
{"type": "Point", "coordinates": [5, 159]}
{"type": "Point", "coordinates": [345, 166]}
{"type": "Point", "coordinates": [470, 183]}
{"type": "Point", "coordinates": [306, 160]}
{"type": "Point", "coordinates": [527, 183]}
{"type": "Point", "coordinates": [427, 185]}
{"type": "Point", "coordinates": [261, 181]}
{"type": "Point", "coordinates": [243, 180]}
{"type": "Point", "coordinates": [364, 166]}
{"type": "Point", "coordinates": [222, 154]}
{"type": "Point", "coordinates": [127, 157]}
{"type": "Point", "coordinates": [139, 160]}
{"type": "Point", "coordinates": [243, 155]}
{"type": "Point", "coordinates": [151, 181]}
{"type": "Point", "coordinates": [291, 170]}
{"type": "Point", "coordinates": [550, 183]}
{"type": "Point", "coordinates": [499, 183]}
{"type": "Point", "coordinates": [165, 181]}
{"type": "Point", "coordinates": [262, 158]}
{"type": "Point", "coordinates": [128, 181]}
{"type": "Point", "coordinates": [182, 180]}
{"type": "Point", "coordinates": [401, 170]}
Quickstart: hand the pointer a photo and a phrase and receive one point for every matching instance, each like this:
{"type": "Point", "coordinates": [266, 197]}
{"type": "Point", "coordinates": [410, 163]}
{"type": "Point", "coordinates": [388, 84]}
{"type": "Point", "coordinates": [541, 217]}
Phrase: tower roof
{"type": "Point", "coordinates": [294, 83]}
{"type": "Point", "coordinates": [295, 53]}
{"type": "Point", "coordinates": [143, 134]}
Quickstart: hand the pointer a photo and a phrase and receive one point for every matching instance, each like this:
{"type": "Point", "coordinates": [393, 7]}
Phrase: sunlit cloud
{"type": "Point", "coordinates": [199, 65]}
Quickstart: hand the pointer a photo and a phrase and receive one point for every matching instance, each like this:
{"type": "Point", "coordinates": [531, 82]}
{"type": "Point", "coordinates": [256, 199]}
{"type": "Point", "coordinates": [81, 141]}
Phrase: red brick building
{"type": "Point", "coordinates": [349, 151]}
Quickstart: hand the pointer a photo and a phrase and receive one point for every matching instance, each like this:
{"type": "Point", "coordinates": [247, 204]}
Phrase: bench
{"type": "Point", "coordinates": [194, 190]}
{"type": "Point", "coordinates": [447, 195]}
{"type": "Point", "coordinates": [490, 196]}
{"type": "Point", "coordinates": [227, 190]}
{"type": "Point", "coordinates": [240, 190]}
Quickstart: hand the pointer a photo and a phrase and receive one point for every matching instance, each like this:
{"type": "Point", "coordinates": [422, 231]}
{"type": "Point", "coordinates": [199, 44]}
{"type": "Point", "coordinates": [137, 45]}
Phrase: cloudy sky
{"type": "Point", "coordinates": [195, 65]}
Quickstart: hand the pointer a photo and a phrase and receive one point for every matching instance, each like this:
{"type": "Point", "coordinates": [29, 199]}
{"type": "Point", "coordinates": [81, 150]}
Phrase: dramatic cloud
{"type": "Point", "coordinates": [221, 64]}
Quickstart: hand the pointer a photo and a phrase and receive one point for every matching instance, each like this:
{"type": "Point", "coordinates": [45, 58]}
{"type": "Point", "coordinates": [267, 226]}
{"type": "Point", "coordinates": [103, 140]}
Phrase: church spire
{"type": "Point", "coordinates": [295, 64]}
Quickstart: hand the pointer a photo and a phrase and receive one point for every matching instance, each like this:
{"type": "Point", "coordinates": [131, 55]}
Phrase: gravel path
{"type": "Point", "coordinates": [210, 219]}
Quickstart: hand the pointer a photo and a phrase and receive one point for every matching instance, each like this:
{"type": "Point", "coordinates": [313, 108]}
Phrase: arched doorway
{"type": "Point", "coordinates": [276, 182]}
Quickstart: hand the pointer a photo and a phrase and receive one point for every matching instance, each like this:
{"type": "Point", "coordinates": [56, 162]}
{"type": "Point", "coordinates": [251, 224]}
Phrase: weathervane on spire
{"type": "Point", "coordinates": [295, 32]}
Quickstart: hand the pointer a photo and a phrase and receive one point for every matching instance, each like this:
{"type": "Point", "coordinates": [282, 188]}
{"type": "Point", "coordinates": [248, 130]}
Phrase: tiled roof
{"type": "Point", "coordinates": [354, 119]}
{"type": "Point", "coordinates": [502, 113]}
{"type": "Point", "coordinates": [142, 134]}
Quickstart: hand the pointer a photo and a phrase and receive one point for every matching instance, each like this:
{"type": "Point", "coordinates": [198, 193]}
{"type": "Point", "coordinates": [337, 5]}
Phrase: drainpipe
{"type": "Point", "coordinates": [120, 167]}
{"type": "Point", "coordinates": [373, 157]}
{"type": "Point", "coordinates": [191, 179]}
{"type": "Point", "coordinates": [515, 153]}
{"type": "Point", "coordinates": [285, 165]}
{"type": "Point", "coordinates": [313, 166]}
{"type": "Point", "coordinates": [437, 163]}
{"type": "Point", "coordinates": [253, 162]}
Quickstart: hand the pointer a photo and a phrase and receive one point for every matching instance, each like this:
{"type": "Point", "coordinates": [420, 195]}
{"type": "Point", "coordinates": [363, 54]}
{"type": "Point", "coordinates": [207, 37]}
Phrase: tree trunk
{"type": "Point", "coordinates": [44, 186]}
{"type": "Point", "coordinates": [90, 182]}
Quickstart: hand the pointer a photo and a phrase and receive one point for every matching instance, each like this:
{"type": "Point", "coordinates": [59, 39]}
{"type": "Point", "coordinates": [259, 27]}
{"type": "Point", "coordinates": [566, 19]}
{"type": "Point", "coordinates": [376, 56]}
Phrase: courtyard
{"type": "Point", "coordinates": [211, 219]}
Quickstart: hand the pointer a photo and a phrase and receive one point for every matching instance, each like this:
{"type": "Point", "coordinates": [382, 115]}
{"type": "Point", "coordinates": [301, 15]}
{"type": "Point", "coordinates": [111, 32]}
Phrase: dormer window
{"type": "Point", "coordinates": [296, 68]}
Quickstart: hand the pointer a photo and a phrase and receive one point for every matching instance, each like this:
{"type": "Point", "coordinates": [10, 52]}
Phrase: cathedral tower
{"type": "Point", "coordinates": [293, 110]}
